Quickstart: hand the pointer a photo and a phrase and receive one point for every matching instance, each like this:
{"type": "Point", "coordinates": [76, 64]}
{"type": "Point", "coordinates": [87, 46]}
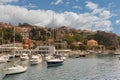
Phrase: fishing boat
{"type": "Point", "coordinates": [35, 59]}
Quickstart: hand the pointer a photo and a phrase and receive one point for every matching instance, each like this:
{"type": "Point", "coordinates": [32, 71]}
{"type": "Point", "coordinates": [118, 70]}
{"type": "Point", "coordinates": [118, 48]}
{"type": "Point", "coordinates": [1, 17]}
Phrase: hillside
{"type": "Point", "coordinates": [63, 34]}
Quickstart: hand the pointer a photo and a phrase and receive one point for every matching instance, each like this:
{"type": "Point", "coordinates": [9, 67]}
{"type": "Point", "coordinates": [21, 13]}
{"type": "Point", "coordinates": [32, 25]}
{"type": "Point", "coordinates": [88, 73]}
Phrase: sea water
{"type": "Point", "coordinates": [88, 68]}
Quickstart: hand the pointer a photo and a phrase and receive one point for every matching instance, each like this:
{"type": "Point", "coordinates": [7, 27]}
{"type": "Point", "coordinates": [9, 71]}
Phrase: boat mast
{"type": "Point", "coordinates": [53, 32]}
{"type": "Point", "coordinates": [2, 41]}
{"type": "Point", "coordinates": [14, 37]}
{"type": "Point", "coordinates": [14, 30]}
{"type": "Point", "coordinates": [53, 28]}
{"type": "Point", "coordinates": [2, 36]}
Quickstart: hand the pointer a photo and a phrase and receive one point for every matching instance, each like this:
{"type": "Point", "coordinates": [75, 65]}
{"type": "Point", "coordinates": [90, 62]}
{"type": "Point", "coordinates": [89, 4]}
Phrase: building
{"type": "Point", "coordinates": [77, 43]}
{"type": "Point", "coordinates": [26, 43]}
{"type": "Point", "coordinates": [92, 43]}
{"type": "Point", "coordinates": [25, 32]}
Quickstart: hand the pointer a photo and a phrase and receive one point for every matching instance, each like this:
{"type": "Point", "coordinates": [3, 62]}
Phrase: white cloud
{"type": "Point", "coordinates": [86, 20]}
{"type": "Point", "coordinates": [7, 1]}
{"type": "Point", "coordinates": [118, 22]}
{"type": "Point", "coordinates": [57, 2]}
{"type": "Point", "coordinates": [30, 5]}
{"type": "Point", "coordinates": [77, 7]}
{"type": "Point", "coordinates": [91, 5]}
{"type": "Point", "coordinates": [105, 14]}
{"type": "Point", "coordinates": [103, 25]}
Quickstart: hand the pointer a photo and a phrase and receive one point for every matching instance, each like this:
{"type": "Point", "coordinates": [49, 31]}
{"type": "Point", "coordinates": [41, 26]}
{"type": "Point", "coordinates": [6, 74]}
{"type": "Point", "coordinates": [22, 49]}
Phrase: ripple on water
{"type": "Point", "coordinates": [95, 68]}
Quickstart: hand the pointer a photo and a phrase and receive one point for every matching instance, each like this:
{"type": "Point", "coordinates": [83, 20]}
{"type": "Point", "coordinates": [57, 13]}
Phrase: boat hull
{"type": "Point", "coordinates": [35, 59]}
{"type": "Point", "coordinates": [24, 58]}
{"type": "Point", "coordinates": [34, 62]}
{"type": "Point", "coordinates": [11, 56]}
{"type": "Point", "coordinates": [15, 70]}
{"type": "Point", "coordinates": [54, 62]}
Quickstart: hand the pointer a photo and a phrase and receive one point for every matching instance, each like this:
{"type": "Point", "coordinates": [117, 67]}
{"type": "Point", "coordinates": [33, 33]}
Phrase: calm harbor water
{"type": "Point", "coordinates": [87, 68]}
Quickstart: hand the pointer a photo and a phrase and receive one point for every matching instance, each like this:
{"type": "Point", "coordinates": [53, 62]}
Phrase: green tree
{"type": "Point", "coordinates": [102, 40]}
{"type": "Point", "coordinates": [18, 37]}
{"type": "Point", "coordinates": [69, 39]}
{"type": "Point", "coordinates": [78, 37]}
{"type": "Point", "coordinates": [24, 24]}
{"type": "Point", "coordinates": [34, 34]}
{"type": "Point", "coordinates": [90, 36]}
{"type": "Point", "coordinates": [83, 47]}
{"type": "Point", "coordinates": [118, 38]}
{"type": "Point", "coordinates": [8, 35]}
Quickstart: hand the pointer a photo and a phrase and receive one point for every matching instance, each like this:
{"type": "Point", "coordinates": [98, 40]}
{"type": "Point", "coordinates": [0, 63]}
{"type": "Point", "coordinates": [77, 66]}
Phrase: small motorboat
{"type": "Point", "coordinates": [63, 57]}
{"type": "Point", "coordinates": [11, 56]}
{"type": "Point", "coordinates": [24, 56]}
{"type": "Point", "coordinates": [48, 57]}
{"type": "Point", "coordinates": [35, 59]}
{"type": "Point", "coordinates": [4, 58]}
{"type": "Point", "coordinates": [55, 61]}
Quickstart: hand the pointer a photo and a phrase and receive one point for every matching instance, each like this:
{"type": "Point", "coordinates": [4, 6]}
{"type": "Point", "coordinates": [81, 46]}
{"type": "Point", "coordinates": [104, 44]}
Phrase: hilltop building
{"type": "Point", "coordinates": [92, 42]}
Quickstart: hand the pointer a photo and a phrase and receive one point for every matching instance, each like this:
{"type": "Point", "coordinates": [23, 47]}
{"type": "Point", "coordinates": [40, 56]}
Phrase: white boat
{"type": "Point", "coordinates": [48, 57]}
{"type": "Point", "coordinates": [116, 53]}
{"type": "Point", "coordinates": [24, 56]}
{"type": "Point", "coordinates": [11, 56]}
{"type": "Point", "coordinates": [54, 62]}
{"type": "Point", "coordinates": [36, 59]}
{"type": "Point", "coordinates": [15, 69]}
{"type": "Point", "coordinates": [63, 57]}
{"type": "Point", "coordinates": [4, 58]}
{"type": "Point", "coordinates": [17, 55]}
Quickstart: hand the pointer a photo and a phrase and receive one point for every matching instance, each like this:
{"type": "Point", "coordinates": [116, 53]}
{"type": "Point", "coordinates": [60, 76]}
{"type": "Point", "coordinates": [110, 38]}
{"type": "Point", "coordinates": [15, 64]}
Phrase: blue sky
{"type": "Point", "coordinates": [80, 14]}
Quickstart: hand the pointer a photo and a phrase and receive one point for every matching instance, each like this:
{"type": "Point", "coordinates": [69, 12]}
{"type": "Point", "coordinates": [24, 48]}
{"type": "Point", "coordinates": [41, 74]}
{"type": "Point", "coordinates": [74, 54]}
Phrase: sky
{"type": "Point", "coordinates": [80, 14]}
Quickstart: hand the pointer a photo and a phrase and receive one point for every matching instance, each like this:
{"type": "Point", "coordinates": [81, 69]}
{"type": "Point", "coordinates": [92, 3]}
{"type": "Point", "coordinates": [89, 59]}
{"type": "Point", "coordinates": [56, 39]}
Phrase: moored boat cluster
{"type": "Point", "coordinates": [33, 56]}
{"type": "Point", "coordinates": [49, 54]}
